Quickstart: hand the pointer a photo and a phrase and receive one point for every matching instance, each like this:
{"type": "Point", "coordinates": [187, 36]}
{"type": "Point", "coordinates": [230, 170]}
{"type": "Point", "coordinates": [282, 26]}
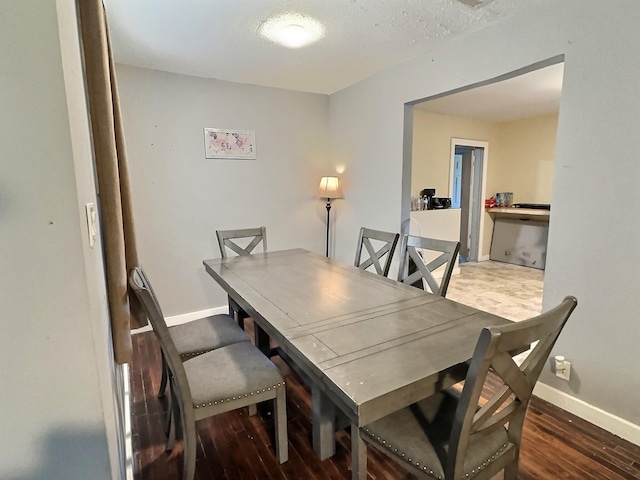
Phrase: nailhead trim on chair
{"type": "Point", "coordinates": [424, 468]}
{"type": "Point", "coordinates": [484, 464]}
{"type": "Point", "coordinates": [257, 392]}
{"type": "Point", "coordinates": [186, 356]}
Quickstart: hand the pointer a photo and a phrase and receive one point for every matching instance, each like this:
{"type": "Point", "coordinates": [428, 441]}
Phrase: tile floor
{"type": "Point", "coordinates": [510, 291]}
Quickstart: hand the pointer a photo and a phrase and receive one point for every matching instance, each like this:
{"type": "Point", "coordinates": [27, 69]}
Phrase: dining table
{"type": "Point", "coordinates": [366, 344]}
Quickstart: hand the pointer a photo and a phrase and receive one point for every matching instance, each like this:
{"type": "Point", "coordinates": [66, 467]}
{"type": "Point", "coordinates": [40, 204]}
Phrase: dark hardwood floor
{"type": "Point", "coordinates": [235, 446]}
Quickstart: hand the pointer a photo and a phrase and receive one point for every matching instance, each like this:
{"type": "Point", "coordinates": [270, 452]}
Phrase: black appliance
{"type": "Point", "coordinates": [439, 202]}
{"type": "Point", "coordinates": [426, 195]}
{"type": "Point", "coordinates": [535, 206]}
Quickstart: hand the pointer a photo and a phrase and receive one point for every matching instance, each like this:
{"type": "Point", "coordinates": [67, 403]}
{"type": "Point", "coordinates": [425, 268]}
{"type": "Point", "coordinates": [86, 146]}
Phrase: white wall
{"type": "Point", "coordinates": [58, 407]}
{"type": "Point", "coordinates": [181, 198]}
{"type": "Point", "coordinates": [599, 112]}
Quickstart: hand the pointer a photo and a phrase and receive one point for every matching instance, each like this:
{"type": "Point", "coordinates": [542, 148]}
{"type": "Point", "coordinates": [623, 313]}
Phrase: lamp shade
{"type": "Point", "coordinates": [329, 188]}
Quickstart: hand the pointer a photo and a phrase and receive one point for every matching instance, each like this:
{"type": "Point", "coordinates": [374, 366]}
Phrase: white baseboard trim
{"type": "Point", "coordinates": [484, 258]}
{"type": "Point", "coordinates": [605, 420]}
{"type": "Point", "coordinates": [187, 317]}
{"type": "Point", "coordinates": [128, 433]}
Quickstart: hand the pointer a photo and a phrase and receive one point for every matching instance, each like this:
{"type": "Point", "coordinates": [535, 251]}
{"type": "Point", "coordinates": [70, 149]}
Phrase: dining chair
{"type": "Point", "coordinates": [453, 435]}
{"type": "Point", "coordinates": [228, 241]}
{"type": "Point", "coordinates": [413, 269]}
{"type": "Point", "coordinates": [200, 336]}
{"type": "Point", "coordinates": [215, 382]}
{"type": "Point", "coordinates": [386, 245]}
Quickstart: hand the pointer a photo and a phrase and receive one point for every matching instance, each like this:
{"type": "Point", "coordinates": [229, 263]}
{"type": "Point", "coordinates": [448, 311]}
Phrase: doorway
{"type": "Point", "coordinates": [467, 187]}
{"type": "Point", "coordinates": [512, 113]}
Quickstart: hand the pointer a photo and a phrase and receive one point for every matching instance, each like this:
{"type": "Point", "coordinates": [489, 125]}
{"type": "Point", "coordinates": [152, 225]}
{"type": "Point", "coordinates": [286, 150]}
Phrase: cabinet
{"type": "Point", "coordinates": [520, 237]}
{"type": "Point", "coordinates": [443, 224]}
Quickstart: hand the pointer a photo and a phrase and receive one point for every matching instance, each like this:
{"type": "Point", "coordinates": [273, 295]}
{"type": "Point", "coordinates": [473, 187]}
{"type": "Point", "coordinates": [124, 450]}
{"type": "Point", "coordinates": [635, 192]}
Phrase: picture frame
{"type": "Point", "coordinates": [231, 144]}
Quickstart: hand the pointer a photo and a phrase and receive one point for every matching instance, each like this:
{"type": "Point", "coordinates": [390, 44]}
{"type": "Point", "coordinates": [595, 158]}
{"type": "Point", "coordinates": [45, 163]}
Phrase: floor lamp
{"type": "Point", "coordinates": [329, 188]}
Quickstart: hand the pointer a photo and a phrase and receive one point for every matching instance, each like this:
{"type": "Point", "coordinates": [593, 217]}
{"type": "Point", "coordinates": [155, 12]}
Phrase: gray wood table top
{"type": "Point", "coordinates": [373, 344]}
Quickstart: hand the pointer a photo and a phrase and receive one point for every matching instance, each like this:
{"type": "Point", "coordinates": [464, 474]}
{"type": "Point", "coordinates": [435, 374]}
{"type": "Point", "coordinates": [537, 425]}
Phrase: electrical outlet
{"type": "Point", "coordinates": [563, 368]}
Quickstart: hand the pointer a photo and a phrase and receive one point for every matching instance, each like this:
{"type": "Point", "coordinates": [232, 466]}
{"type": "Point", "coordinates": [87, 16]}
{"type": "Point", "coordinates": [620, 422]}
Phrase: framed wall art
{"type": "Point", "coordinates": [225, 143]}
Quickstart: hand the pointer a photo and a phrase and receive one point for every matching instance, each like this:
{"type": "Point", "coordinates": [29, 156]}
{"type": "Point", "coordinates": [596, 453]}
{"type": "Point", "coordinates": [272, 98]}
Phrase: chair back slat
{"type": "Point", "coordinates": [507, 407]}
{"type": "Point", "coordinates": [413, 268]}
{"type": "Point", "coordinates": [227, 240]}
{"type": "Point", "coordinates": [386, 245]}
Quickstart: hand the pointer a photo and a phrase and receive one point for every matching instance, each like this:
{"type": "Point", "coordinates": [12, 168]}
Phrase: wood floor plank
{"type": "Point", "coordinates": [235, 446]}
{"type": "Point", "coordinates": [598, 447]}
{"type": "Point", "coordinates": [264, 452]}
{"type": "Point", "coordinates": [210, 458]}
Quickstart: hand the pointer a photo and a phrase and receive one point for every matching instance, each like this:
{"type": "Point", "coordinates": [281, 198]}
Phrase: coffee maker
{"type": "Point", "coordinates": [426, 197]}
{"type": "Point", "coordinates": [431, 202]}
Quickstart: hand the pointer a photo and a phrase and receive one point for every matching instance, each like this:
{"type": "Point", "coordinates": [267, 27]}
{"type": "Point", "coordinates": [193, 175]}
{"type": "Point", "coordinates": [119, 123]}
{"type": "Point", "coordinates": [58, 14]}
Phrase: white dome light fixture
{"type": "Point", "coordinates": [292, 30]}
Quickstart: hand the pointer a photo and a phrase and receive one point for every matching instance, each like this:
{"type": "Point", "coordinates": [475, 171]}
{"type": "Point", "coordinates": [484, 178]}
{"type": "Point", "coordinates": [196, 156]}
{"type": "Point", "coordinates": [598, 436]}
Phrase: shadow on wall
{"type": "Point", "coordinates": [66, 454]}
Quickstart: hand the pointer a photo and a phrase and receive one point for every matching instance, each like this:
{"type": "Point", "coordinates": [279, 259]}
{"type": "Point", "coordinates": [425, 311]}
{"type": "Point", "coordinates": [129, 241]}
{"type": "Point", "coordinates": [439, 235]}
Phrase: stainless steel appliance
{"type": "Point", "coordinates": [440, 202]}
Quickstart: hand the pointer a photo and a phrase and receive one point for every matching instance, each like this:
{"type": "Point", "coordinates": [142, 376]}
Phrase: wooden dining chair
{"type": "Point", "coordinates": [453, 435]}
{"type": "Point", "coordinates": [385, 245]}
{"type": "Point", "coordinates": [413, 269]}
{"type": "Point", "coordinates": [199, 336]}
{"type": "Point", "coordinates": [228, 241]}
{"type": "Point", "coordinates": [215, 382]}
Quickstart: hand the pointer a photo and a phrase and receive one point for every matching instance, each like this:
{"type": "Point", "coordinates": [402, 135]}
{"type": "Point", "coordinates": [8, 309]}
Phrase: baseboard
{"type": "Point", "coordinates": [605, 420]}
{"type": "Point", "coordinates": [187, 317]}
{"type": "Point", "coordinates": [128, 434]}
{"type": "Point", "coordinates": [484, 258]}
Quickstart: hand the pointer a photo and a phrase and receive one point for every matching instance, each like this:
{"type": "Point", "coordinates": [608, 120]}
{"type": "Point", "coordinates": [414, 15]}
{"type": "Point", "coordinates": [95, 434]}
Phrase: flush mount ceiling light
{"type": "Point", "coordinates": [292, 30]}
{"type": "Point", "coordinates": [475, 3]}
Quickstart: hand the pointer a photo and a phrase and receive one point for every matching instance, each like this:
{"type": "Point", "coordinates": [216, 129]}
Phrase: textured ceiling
{"type": "Point", "coordinates": [220, 39]}
{"type": "Point", "coordinates": [529, 95]}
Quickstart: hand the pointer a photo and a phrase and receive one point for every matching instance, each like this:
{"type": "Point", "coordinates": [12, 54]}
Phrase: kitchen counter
{"type": "Point", "coordinates": [520, 236]}
{"type": "Point", "coordinates": [513, 212]}
{"type": "Point", "coordinates": [443, 223]}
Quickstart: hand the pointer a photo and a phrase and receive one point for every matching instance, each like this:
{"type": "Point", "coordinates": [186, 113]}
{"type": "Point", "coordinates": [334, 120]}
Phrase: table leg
{"type": "Point", "coordinates": [358, 455]}
{"type": "Point", "coordinates": [324, 423]}
{"type": "Point", "coordinates": [263, 343]}
{"type": "Point", "coordinates": [236, 312]}
{"type": "Point", "coordinates": [262, 340]}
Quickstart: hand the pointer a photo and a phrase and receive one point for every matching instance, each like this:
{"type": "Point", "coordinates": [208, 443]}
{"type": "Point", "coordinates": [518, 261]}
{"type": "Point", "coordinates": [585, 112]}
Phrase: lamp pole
{"type": "Point", "coordinates": [329, 188]}
{"type": "Point", "coordinates": [328, 209]}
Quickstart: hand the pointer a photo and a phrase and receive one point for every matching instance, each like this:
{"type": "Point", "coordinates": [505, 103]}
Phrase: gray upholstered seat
{"type": "Point", "coordinates": [206, 334]}
{"type": "Point", "coordinates": [228, 378]}
{"type": "Point", "coordinates": [419, 436]}
{"type": "Point", "coordinates": [241, 370]}
{"type": "Point", "coordinates": [199, 336]}
{"type": "Point", "coordinates": [450, 436]}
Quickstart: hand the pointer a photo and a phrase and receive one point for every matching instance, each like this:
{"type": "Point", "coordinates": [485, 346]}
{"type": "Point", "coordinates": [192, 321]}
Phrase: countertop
{"type": "Point", "coordinates": [519, 212]}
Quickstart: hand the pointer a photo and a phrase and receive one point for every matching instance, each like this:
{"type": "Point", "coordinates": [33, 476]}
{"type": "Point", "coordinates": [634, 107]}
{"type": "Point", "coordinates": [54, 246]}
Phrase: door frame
{"type": "Point", "coordinates": [465, 142]}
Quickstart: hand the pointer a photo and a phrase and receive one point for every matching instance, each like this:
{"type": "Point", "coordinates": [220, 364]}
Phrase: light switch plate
{"type": "Point", "coordinates": [92, 225]}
